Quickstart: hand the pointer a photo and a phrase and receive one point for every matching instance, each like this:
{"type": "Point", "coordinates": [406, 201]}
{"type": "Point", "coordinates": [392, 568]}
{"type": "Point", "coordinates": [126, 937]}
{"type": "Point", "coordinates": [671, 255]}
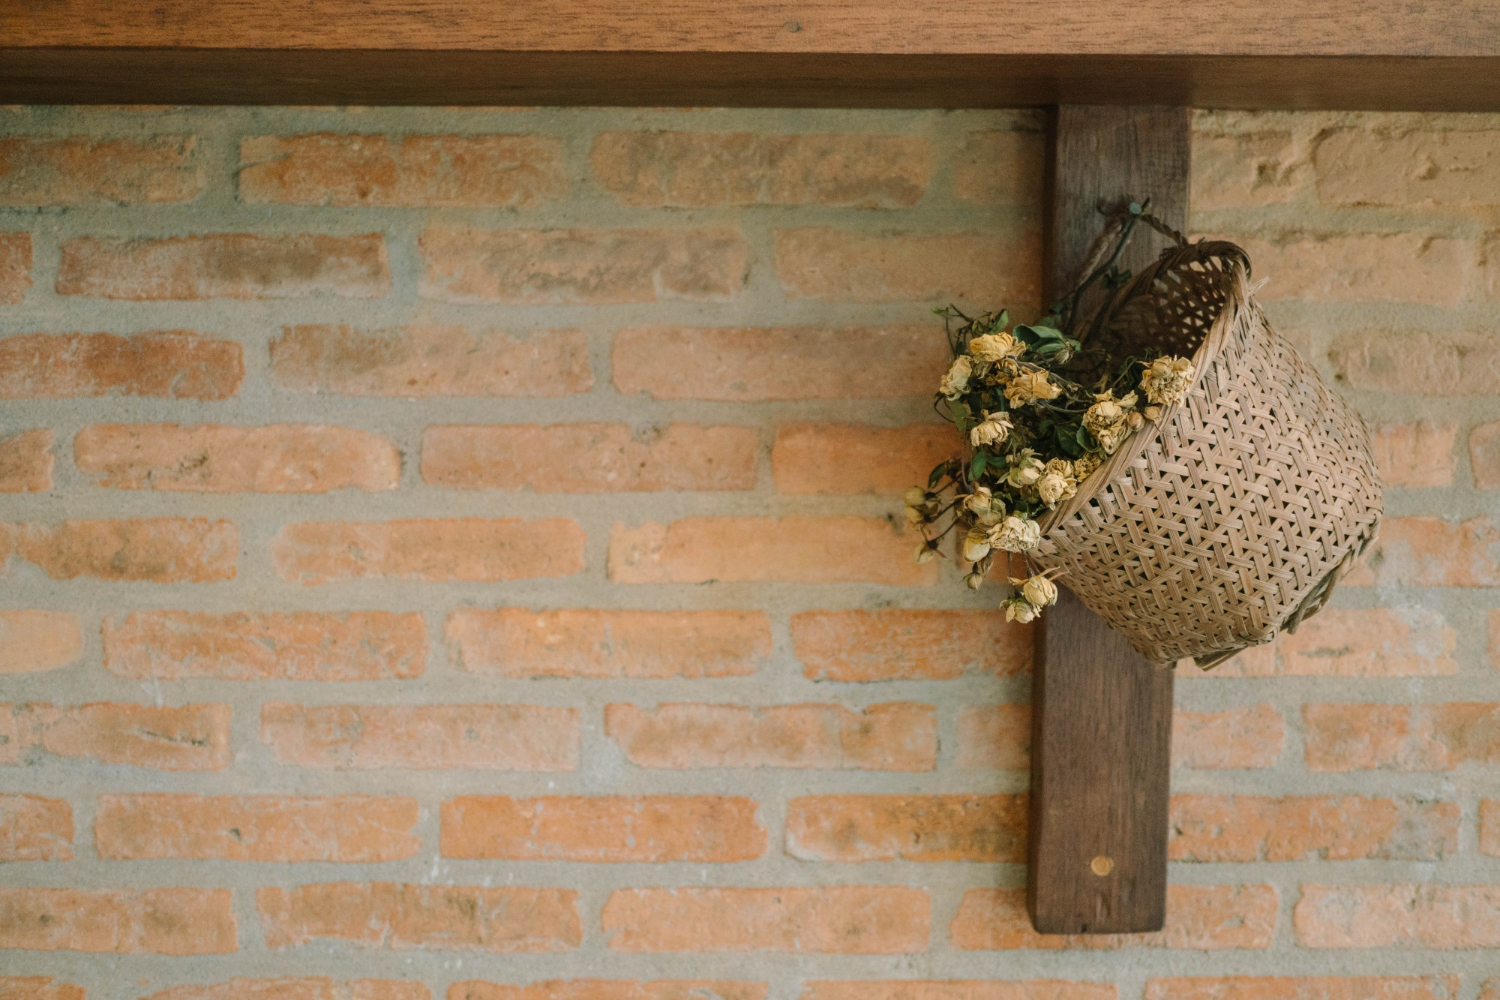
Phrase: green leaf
{"type": "Point", "coordinates": [1085, 439]}
{"type": "Point", "coordinates": [938, 472]}
{"type": "Point", "coordinates": [1067, 440]}
{"type": "Point", "coordinates": [976, 467]}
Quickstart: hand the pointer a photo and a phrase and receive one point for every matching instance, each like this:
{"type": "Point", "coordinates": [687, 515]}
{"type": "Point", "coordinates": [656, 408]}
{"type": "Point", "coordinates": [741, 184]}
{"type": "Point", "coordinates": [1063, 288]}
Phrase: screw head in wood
{"type": "Point", "coordinates": [1102, 865]}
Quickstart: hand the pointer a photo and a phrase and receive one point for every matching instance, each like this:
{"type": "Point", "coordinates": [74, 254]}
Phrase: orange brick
{"type": "Point", "coordinates": [118, 921]}
{"type": "Point", "coordinates": [38, 988]}
{"type": "Point", "coordinates": [1489, 265]}
{"type": "Point", "coordinates": [438, 171]}
{"type": "Point", "coordinates": [1489, 827]}
{"type": "Point", "coordinates": [290, 988]}
{"type": "Point", "coordinates": [1494, 637]}
{"type": "Point", "coordinates": [349, 828]}
{"type": "Point", "coordinates": [901, 644]}
{"type": "Point", "coordinates": [697, 169]}
{"type": "Point", "coordinates": [839, 919]}
{"type": "Point", "coordinates": [957, 989]}
{"type": "Point", "coordinates": [479, 550]}
{"type": "Point", "coordinates": [1244, 170]}
{"type": "Point", "coordinates": [190, 738]}
{"type": "Point", "coordinates": [1364, 267]}
{"type": "Point", "coordinates": [907, 828]}
{"type": "Point", "coordinates": [1425, 915]}
{"type": "Point", "coordinates": [899, 736]}
{"type": "Point", "coordinates": [830, 264]}
{"type": "Point", "coordinates": [590, 457]}
{"type": "Point", "coordinates": [38, 171]}
{"type": "Point", "coordinates": [1484, 455]}
{"type": "Point", "coordinates": [1242, 737]}
{"type": "Point", "coordinates": [33, 828]}
{"type": "Point", "coordinates": [15, 268]}
{"type": "Point", "coordinates": [424, 361]}
{"type": "Point", "coordinates": [1305, 988]}
{"type": "Point", "coordinates": [519, 642]}
{"type": "Point", "coordinates": [1417, 362]}
{"type": "Point", "coordinates": [1308, 828]}
{"type": "Point", "coordinates": [225, 266]}
{"type": "Point", "coordinates": [994, 738]}
{"type": "Point", "coordinates": [785, 550]}
{"type": "Point", "coordinates": [1431, 552]}
{"type": "Point", "coordinates": [26, 462]}
{"type": "Point", "coordinates": [1199, 918]}
{"type": "Point", "coordinates": [1000, 168]}
{"type": "Point", "coordinates": [172, 364]}
{"type": "Point", "coordinates": [422, 737]}
{"type": "Point", "coordinates": [1416, 455]}
{"type": "Point", "coordinates": [220, 458]}
{"type": "Point", "coordinates": [298, 646]}
{"type": "Point", "coordinates": [649, 828]}
{"type": "Point", "coordinates": [390, 915]}
{"type": "Point", "coordinates": [610, 989]}
{"type": "Point", "coordinates": [1358, 166]}
{"type": "Point", "coordinates": [581, 266]}
{"type": "Point", "coordinates": [855, 458]}
{"type": "Point", "coordinates": [1491, 990]}
{"type": "Point", "coordinates": [154, 550]}
{"type": "Point", "coordinates": [751, 365]}
{"type": "Point", "coordinates": [38, 640]}
{"type": "Point", "coordinates": [1342, 737]}
{"type": "Point", "coordinates": [1364, 642]}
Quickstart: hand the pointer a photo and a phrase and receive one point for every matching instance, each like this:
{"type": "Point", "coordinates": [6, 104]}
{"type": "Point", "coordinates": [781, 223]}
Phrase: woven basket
{"type": "Point", "coordinates": [1234, 516]}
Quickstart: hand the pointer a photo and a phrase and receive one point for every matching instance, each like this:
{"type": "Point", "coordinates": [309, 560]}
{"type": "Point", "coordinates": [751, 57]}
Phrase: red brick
{"type": "Point", "coordinates": [1425, 915]}
{"type": "Point", "coordinates": [1361, 267]}
{"type": "Point", "coordinates": [1417, 362]}
{"type": "Point", "coordinates": [582, 266]}
{"type": "Point", "coordinates": [225, 266]}
{"type": "Point", "coordinates": [390, 915]}
{"type": "Point", "coordinates": [1365, 642]}
{"type": "Point", "coordinates": [519, 642]}
{"type": "Point", "coordinates": [994, 738]}
{"type": "Point", "coordinates": [422, 737]}
{"type": "Point", "coordinates": [1489, 827]}
{"type": "Point", "coordinates": [38, 988]}
{"type": "Point", "coordinates": [118, 921]}
{"type": "Point", "coordinates": [856, 458]}
{"type": "Point", "coordinates": [846, 828]}
{"type": "Point", "coordinates": [38, 640]}
{"type": "Point", "coordinates": [696, 169]}
{"type": "Point", "coordinates": [1494, 637]}
{"type": "Point", "coordinates": [1311, 828]}
{"type": "Point", "coordinates": [290, 988]}
{"type": "Point", "coordinates": [1244, 170]}
{"type": "Point", "coordinates": [480, 550]}
{"type": "Point", "coordinates": [610, 989]}
{"type": "Point", "coordinates": [785, 550]}
{"type": "Point", "coordinates": [1000, 168]}
{"type": "Point", "coordinates": [830, 264]}
{"type": "Point", "coordinates": [1484, 455]}
{"type": "Point", "coordinates": [1305, 988]}
{"type": "Point", "coordinates": [751, 365]}
{"type": "Point", "coordinates": [15, 268]}
{"type": "Point", "coordinates": [296, 646]}
{"type": "Point", "coordinates": [1431, 552]}
{"type": "Point", "coordinates": [1416, 455]}
{"type": "Point", "coordinates": [172, 364]}
{"type": "Point", "coordinates": [438, 171]}
{"type": "Point", "coordinates": [609, 828]}
{"type": "Point", "coordinates": [154, 550]}
{"type": "Point", "coordinates": [1359, 166]}
{"type": "Point", "coordinates": [26, 462]}
{"type": "Point", "coordinates": [957, 989]}
{"type": "Point", "coordinates": [590, 457]}
{"type": "Point", "coordinates": [349, 828]}
{"type": "Point", "coordinates": [1242, 737]}
{"type": "Point", "coordinates": [899, 736]}
{"type": "Point", "coordinates": [1199, 918]}
{"type": "Point", "coordinates": [40, 171]}
{"type": "Point", "coordinates": [424, 361]}
{"type": "Point", "coordinates": [190, 738]}
{"type": "Point", "coordinates": [838, 919]}
{"type": "Point", "coordinates": [900, 644]}
{"type": "Point", "coordinates": [1489, 265]}
{"type": "Point", "coordinates": [33, 828]}
{"type": "Point", "coordinates": [1343, 737]}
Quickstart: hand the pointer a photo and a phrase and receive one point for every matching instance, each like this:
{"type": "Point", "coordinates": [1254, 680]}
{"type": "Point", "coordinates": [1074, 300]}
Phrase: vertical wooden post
{"type": "Point", "coordinates": [1101, 714]}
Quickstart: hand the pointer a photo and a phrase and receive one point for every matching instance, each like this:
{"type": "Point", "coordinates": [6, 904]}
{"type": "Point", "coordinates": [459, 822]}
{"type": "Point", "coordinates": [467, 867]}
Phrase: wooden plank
{"type": "Point", "coordinates": [1101, 714]}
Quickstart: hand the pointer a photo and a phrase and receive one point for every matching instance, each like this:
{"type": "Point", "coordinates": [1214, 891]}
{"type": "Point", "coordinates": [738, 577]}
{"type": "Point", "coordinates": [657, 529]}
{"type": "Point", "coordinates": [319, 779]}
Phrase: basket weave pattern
{"type": "Point", "coordinates": [1237, 516]}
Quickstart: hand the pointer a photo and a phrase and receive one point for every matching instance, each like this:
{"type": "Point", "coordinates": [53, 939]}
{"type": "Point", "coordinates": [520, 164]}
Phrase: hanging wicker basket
{"type": "Point", "coordinates": [1235, 516]}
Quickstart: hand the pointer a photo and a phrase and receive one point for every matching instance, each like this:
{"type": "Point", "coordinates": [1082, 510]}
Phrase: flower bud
{"type": "Point", "coordinates": [976, 545]}
{"type": "Point", "coordinates": [1039, 591]}
{"type": "Point", "coordinates": [974, 580]}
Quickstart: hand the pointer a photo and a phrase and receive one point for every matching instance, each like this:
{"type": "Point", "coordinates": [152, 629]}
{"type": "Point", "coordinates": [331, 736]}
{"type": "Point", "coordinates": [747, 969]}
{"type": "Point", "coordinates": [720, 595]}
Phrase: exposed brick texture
{"type": "Point", "coordinates": [26, 462]}
{"type": "Point", "coordinates": [472, 549]}
{"type": "Point", "coordinates": [38, 640]}
{"type": "Point", "coordinates": [174, 364]}
{"type": "Point", "coordinates": [46, 172]}
{"type": "Point", "coordinates": [908, 645]}
{"type": "Point", "coordinates": [118, 921]}
{"type": "Point", "coordinates": [15, 267]}
{"type": "Point", "coordinates": [34, 828]}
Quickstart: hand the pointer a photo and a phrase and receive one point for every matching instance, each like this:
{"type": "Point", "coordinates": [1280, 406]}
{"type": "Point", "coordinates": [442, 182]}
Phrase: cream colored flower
{"type": "Point", "coordinates": [974, 580]}
{"type": "Point", "coordinates": [1110, 438]}
{"type": "Point", "coordinates": [993, 429]}
{"type": "Point", "coordinates": [976, 545]}
{"type": "Point", "coordinates": [1025, 469]}
{"type": "Point", "coordinates": [984, 505]}
{"type": "Point", "coordinates": [1039, 591]}
{"type": "Point", "coordinates": [1028, 386]}
{"type": "Point", "coordinates": [995, 346]}
{"type": "Point", "coordinates": [915, 496]}
{"type": "Point", "coordinates": [1152, 413]}
{"type": "Point", "coordinates": [924, 553]}
{"type": "Point", "coordinates": [1105, 412]}
{"type": "Point", "coordinates": [957, 379]}
{"type": "Point", "coordinates": [1054, 488]}
{"type": "Point", "coordinates": [1167, 380]}
{"type": "Point", "coordinates": [1084, 466]}
{"type": "Point", "coordinates": [1134, 420]}
{"type": "Point", "coordinates": [1018, 609]}
{"type": "Point", "coordinates": [1016, 534]}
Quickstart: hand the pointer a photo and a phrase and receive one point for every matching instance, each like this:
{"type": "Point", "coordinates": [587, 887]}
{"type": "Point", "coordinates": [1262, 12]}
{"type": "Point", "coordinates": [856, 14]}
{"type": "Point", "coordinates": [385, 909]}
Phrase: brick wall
{"type": "Point", "coordinates": [457, 554]}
